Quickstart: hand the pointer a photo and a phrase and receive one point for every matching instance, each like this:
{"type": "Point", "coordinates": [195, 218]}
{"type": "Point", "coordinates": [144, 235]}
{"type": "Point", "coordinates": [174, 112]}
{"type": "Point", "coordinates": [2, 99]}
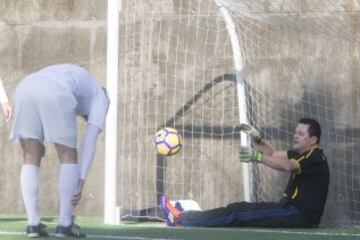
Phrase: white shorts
{"type": "Point", "coordinates": [44, 110]}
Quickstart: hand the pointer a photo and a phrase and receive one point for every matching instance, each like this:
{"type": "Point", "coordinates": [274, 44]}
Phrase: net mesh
{"type": "Point", "coordinates": [177, 69]}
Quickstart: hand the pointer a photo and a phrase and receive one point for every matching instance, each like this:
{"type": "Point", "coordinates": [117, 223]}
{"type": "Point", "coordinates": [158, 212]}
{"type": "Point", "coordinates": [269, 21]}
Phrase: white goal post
{"type": "Point", "coordinates": [240, 86]}
{"type": "Point", "coordinates": [110, 183]}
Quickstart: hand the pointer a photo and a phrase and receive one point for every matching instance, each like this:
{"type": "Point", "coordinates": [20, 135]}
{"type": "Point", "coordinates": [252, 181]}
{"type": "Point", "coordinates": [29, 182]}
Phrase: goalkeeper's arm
{"type": "Point", "coordinates": [277, 160]}
{"type": "Point", "coordinates": [265, 152]}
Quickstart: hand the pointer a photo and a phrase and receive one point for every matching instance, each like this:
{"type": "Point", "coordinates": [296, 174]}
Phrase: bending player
{"type": "Point", "coordinates": [46, 106]}
{"type": "Point", "coordinates": [303, 201]}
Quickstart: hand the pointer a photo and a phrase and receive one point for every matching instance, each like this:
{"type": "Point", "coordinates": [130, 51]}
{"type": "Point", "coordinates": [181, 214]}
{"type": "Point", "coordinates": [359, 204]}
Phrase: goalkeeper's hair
{"type": "Point", "coordinates": [314, 127]}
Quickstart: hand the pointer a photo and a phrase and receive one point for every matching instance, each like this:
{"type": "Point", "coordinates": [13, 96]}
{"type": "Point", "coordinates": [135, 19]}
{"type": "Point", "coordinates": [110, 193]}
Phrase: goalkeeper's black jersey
{"type": "Point", "coordinates": [308, 188]}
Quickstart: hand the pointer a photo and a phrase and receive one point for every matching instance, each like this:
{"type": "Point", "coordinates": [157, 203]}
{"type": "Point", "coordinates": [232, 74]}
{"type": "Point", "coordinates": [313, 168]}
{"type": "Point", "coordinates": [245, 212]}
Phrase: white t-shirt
{"type": "Point", "coordinates": [91, 100]}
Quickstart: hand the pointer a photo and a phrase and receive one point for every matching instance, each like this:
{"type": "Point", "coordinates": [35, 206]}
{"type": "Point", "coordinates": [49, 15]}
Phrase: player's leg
{"type": "Point", "coordinates": [68, 182]}
{"type": "Point", "coordinates": [33, 151]}
{"type": "Point", "coordinates": [40, 115]}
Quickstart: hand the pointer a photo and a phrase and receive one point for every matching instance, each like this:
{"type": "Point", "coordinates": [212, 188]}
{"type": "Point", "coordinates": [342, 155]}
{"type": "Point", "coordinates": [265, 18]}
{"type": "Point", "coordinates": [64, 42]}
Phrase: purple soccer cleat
{"type": "Point", "coordinates": [170, 212]}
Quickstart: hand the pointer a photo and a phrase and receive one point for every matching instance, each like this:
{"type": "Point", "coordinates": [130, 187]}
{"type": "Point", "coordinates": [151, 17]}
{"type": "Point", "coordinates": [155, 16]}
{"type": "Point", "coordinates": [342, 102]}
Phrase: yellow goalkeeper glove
{"type": "Point", "coordinates": [247, 154]}
{"type": "Point", "coordinates": [252, 132]}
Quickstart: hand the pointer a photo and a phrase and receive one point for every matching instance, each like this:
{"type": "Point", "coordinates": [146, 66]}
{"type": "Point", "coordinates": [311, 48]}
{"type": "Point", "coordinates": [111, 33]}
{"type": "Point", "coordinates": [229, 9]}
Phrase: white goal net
{"type": "Point", "coordinates": [300, 58]}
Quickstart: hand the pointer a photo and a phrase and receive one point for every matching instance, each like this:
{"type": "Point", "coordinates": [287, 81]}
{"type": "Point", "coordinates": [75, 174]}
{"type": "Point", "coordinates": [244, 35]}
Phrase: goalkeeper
{"type": "Point", "coordinates": [304, 198]}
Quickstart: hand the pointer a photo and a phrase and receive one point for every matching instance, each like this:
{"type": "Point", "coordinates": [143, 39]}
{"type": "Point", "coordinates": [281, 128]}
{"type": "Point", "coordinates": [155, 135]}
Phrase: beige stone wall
{"type": "Point", "coordinates": [33, 34]}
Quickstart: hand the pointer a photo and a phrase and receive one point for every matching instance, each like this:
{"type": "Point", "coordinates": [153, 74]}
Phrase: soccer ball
{"type": "Point", "coordinates": [168, 141]}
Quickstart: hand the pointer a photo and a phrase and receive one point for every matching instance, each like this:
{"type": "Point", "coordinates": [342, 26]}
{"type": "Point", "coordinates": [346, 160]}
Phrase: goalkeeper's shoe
{"type": "Point", "coordinates": [170, 212]}
{"type": "Point", "coordinates": [70, 231]}
{"type": "Point", "coordinates": [252, 132]}
{"type": "Point", "coordinates": [178, 206]}
{"type": "Point", "coordinates": [34, 231]}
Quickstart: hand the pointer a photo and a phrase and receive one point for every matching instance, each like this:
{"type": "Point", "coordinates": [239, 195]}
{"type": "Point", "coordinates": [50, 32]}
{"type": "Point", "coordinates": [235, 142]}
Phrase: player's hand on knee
{"type": "Point", "coordinates": [252, 132]}
{"type": "Point", "coordinates": [247, 154]}
{"type": "Point", "coordinates": [77, 196]}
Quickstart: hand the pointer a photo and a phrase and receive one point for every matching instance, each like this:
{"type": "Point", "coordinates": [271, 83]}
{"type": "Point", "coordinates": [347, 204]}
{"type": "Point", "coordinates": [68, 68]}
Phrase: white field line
{"type": "Point", "coordinates": [4, 233]}
{"type": "Point", "coordinates": [126, 237]}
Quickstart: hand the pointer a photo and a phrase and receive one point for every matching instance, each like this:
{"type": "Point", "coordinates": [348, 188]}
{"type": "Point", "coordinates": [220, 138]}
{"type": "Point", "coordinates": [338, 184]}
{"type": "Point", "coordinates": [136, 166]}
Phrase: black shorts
{"type": "Point", "coordinates": [244, 214]}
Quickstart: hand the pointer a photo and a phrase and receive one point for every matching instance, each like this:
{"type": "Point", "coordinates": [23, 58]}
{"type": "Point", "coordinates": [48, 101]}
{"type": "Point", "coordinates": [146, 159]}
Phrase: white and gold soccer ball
{"type": "Point", "coordinates": [168, 141]}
